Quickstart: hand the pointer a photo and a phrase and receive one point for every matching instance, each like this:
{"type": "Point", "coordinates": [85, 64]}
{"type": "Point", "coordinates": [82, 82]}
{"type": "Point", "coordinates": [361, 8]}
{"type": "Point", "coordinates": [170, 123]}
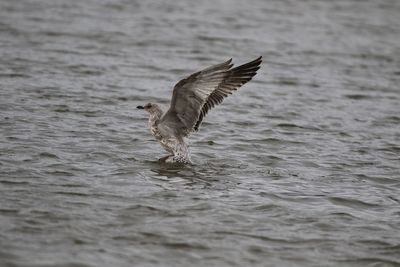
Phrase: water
{"type": "Point", "coordinates": [301, 167]}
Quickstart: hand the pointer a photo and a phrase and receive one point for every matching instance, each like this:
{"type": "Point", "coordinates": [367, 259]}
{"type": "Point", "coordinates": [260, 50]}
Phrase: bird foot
{"type": "Point", "coordinates": [175, 159]}
{"type": "Point", "coordinates": [164, 159]}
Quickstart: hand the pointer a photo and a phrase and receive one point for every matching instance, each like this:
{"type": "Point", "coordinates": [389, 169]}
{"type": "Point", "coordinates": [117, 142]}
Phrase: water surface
{"type": "Point", "coordinates": [301, 167]}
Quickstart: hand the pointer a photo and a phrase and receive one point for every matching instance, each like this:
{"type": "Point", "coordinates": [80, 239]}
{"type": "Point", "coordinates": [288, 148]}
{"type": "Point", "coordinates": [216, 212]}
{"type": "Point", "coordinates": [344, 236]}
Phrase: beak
{"type": "Point", "coordinates": [140, 107]}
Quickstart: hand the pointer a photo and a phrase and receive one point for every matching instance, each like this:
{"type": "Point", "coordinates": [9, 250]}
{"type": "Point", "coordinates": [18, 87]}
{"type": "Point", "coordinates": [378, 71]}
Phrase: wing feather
{"type": "Point", "coordinates": [189, 96]}
{"type": "Point", "coordinates": [195, 95]}
{"type": "Point", "coordinates": [235, 78]}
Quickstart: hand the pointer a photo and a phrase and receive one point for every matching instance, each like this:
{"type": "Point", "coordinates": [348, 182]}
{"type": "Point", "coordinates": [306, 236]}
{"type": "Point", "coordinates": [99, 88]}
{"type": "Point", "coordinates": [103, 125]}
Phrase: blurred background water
{"type": "Point", "coordinates": [301, 167]}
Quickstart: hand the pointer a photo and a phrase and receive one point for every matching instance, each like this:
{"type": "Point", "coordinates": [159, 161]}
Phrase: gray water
{"type": "Point", "coordinates": [301, 167]}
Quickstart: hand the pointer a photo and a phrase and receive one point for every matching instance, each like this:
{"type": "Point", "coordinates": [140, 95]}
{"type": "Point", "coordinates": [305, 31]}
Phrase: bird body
{"type": "Point", "coordinates": [192, 98]}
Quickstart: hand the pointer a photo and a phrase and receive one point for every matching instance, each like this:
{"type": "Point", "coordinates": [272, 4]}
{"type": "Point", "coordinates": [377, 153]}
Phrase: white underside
{"type": "Point", "coordinates": [178, 148]}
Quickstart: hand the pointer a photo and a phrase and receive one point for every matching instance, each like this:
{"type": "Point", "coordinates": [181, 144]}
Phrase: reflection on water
{"type": "Point", "coordinates": [298, 168]}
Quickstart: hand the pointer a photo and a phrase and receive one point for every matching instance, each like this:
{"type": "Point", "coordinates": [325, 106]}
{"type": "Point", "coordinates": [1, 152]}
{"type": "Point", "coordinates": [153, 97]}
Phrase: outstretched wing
{"type": "Point", "coordinates": [234, 79]}
{"type": "Point", "coordinates": [189, 96]}
{"type": "Point", "coordinates": [193, 96]}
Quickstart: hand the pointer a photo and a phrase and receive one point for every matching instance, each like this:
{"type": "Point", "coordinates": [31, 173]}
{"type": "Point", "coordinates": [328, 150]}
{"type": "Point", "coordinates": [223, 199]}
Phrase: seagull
{"type": "Point", "coordinates": [192, 98]}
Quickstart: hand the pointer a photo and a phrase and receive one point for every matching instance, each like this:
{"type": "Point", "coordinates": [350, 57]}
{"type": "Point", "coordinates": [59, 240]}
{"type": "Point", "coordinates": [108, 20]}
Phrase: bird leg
{"type": "Point", "coordinates": [164, 159]}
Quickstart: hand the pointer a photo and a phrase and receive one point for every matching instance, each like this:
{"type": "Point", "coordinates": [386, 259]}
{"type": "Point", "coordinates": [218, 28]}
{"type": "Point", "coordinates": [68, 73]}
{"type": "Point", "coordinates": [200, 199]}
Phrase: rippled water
{"type": "Point", "coordinates": [301, 167]}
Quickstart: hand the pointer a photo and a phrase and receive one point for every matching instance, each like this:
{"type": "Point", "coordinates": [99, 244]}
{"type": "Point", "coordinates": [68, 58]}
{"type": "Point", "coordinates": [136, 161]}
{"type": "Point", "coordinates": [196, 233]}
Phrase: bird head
{"type": "Point", "coordinates": [150, 108]}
